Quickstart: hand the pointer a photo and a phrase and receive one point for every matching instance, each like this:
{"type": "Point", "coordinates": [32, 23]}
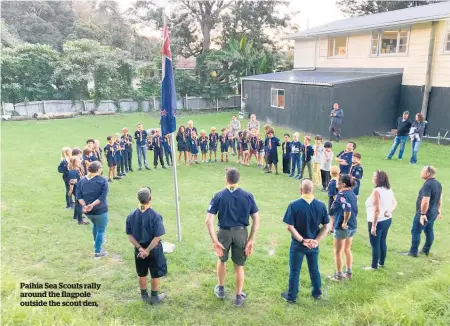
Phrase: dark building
{"type": "Point", "coordinates": [302, 100]}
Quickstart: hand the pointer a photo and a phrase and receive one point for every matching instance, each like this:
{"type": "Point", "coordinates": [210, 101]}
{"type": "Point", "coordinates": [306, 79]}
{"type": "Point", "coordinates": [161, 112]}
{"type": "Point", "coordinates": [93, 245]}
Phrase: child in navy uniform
{"type": "Point", "coordinates": [75, 174]}
{"type": "Point", "coordinates": [332, 192]}
{"type": "Point", "coordinates": [203, 141]}
{"type": "Point", "coordinates": [144, 228]}
{"type": "Point", "coordinates": [286, 154]}
{"type": "Point", "coordinates": [356, 172]}
{"type": "Point", "coordinates": [63, 168]}
{"type": "Point", "coordinates": [98, 152]}
{"type": "Point", "coordinates": [307, 154]}
{"type": "Point", "coordinates": [252, 144]}
{"type": "Point", "coordinates": [296, 148]}
{"type": "Point", "coordinates": [272, 151]}
{"type": "Point", "coordinates": [245, 147]}
{"type": "Point", "coordinates": [213, 138]}
{"type": "Point", "coordinates": [223, 140]}
{"type": "Point", "coordinates": [90, 143]}
{"type": "Point", "coordinates": [260, 149]}
{"type": "Point", "coordinates": [157, 142]}
{"type": "Point", "coordinates": [120, 146]}
{"type": "Point", "coordinates": [182, 144]}
{"type": "Point", "coordinates": [240, 157]}
{"type": "Point", "coordinates": [345, 158]}
{"type": "Point", "coordinates": [110, 154]}
{"type": "Point", "coordinates": [128, 149]}
{"type": "Point", "coordinates": [168, 150]}
{"type": "Point", "coordinates": [189, 130]}
{"type": "Point", "coordinates": [194, 147]}
{"type": "Point", "coordinates": [86, 159]}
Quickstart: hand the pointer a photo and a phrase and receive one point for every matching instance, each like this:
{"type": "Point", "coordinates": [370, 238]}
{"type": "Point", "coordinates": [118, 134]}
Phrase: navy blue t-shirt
{"type": "Point", "coordinates": [346, 201]}
{"type": "Point", "coordinates": [92, 189]}
{"type": "Point", "coordinates": [141, 137]}
{"type": "Point", "coordinates": [332, 188]}
{"type": "Point", "coordinates": [357, 172]}
{"type": "Point", "coordinates": [433, 189]}
{"type": "Point", "coordinates": [347, 157]}
{"type": "Point", "coordinates": [233, 207]}
{"type": "Point", "coordinates": [144, 226]}
{"type": "Point", "coordinates": [306, 218]}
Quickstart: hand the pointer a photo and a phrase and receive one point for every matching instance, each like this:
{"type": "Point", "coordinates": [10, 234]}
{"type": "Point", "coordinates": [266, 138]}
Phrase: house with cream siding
{"type": "Point", "coordinates": [413, 43]}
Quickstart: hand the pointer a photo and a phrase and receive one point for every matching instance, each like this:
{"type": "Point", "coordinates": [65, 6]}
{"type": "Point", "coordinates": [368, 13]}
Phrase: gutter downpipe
{"type": "Point", "coordinates": [427, 89]}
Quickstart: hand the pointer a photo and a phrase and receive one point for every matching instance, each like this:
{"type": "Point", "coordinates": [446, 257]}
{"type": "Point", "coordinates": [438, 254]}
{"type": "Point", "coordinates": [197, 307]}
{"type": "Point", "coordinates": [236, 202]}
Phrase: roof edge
{"type": "Point", "coordinates": [287, 81]}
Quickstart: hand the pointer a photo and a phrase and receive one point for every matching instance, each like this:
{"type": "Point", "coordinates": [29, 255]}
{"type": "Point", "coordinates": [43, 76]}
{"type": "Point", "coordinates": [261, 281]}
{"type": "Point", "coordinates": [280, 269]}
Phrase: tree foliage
{"type": "Point", "coordinates": [43, 22]}
{"type": "Point", "coordinates": [365, 7]}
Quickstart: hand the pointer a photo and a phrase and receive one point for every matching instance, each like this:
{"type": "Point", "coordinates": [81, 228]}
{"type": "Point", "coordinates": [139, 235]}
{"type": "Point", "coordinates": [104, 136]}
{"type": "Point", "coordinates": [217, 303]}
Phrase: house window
{"type": "Point", "coordinates": [389, 42]}
{"type": "Point", "coordinates": [337, 46]}
{"type": "Point", "coordinates": [447, 39]}
{"type": "Point", "coordinates": [277, 98]}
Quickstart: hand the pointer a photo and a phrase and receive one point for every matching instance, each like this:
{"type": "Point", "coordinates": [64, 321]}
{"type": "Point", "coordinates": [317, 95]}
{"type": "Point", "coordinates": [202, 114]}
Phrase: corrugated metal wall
{"type": "Point", "coordinates": [306, 107]}
{"type": "Point", "coordinates": [368, 105]}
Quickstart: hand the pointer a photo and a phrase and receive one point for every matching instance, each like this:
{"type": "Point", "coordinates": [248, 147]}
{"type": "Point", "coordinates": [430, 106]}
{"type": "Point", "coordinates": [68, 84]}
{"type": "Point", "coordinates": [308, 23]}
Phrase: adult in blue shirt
{"type": "Point", "coordinates": [337, 116]}
{"type": "Point", "coordinates": [403, 125]}
{"type": "Point", "coordinates": [141, 146]}
{"type": "Point", "coordinates": [345, 158]}
{"type": "Point", "coordinates": [144, 228]}
{"type": "Point", "coordinates": [345, 211]}
{"type": "Point", "coordinates": [234, 206]}
{"type": "Point", "coordinates": [91, 194]}
{"type": "Point", "coordinates": [428, 209]}
{"type": "Point", "coordinates": [304, 217]}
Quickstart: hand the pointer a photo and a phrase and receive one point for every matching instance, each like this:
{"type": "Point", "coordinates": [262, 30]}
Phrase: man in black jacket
{"type": "Point", "coordinates": [403, 125]}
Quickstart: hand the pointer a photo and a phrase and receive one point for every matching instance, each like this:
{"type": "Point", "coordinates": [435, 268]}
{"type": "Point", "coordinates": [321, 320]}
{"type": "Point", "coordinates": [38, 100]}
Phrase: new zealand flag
{"type": "Point", "coordinates": [168, 93]}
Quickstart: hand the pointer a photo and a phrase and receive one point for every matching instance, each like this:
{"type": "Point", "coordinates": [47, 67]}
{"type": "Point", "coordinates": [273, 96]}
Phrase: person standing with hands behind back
{"type": "Point", "coordinates": [304, 217]}
{"type": "Point", "coordinates": [144, 228]}
{"type": "Point", "coordinates": [233, 205]}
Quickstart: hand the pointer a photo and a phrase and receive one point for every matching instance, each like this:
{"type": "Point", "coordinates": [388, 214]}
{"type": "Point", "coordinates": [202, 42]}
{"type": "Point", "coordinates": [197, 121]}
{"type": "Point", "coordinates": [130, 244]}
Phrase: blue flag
{"type": "Point", "coordinates": [168, 93]}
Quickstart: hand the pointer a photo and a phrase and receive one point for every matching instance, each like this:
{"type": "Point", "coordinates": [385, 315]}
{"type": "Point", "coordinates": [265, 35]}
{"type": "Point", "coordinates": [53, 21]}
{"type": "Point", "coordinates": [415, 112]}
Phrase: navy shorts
{"type": "Point", "coordinates": [223, 149]}
{"type": "Point", "coordinates": [155, 262]}
{"type": "Point", "coordinates": [213, 148]}
{"type": "Point", "coordinates": [111, 161]}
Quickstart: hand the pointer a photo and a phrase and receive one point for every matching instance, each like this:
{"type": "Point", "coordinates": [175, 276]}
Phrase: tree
{"type": "Point", "coordinates": [43, 22]}
{"type": "Point", "coordinates": [365, 7]}
{"type": "Point", "coordinates": [28, 73]}
{"type": "Point", "coordinates": [255, 20]}
{"type": "Point", "coordinates": [9, 35]}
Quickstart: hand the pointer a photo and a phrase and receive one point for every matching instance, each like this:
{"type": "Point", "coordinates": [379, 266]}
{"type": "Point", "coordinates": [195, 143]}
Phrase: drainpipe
{"type": "Point", "coordinates": [427, 89]}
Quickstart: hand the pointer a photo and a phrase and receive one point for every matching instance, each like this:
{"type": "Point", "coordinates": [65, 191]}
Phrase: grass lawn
{"type": "Point", "coordinates": [42, 243]}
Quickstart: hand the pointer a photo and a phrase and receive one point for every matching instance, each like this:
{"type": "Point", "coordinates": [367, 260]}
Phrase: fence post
{"type": "Point", "coordinates": [154, 103]}
{"type": "Point", "coordinates": [43, 107]}
{"type": "Point", "coordinates": [187, 102]}
{"type": "Point", "coordinates": [217, 104]}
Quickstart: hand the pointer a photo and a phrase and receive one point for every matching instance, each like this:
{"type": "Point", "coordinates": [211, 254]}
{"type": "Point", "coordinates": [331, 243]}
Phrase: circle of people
{"type": "Point", "coordinates": [308, 219]}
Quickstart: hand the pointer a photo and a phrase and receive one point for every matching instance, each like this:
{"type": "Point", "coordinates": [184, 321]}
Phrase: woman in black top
{"type": "Point", "coordinates": [416, 133]}
{"type": "Point", "coordinates": [182, 144]}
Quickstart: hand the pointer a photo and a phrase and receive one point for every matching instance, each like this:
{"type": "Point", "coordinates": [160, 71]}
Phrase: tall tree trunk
{"type": "Point", "coordinates": [206, 31]}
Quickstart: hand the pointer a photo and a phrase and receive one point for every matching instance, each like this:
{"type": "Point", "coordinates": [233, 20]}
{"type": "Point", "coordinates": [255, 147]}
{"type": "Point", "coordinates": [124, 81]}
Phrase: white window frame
{"type": "Point", "coordinates": [380, 35]}
{"type": "Point", "coordinates": [284, 94]}
{"type": "Point", "coordinates": [445, 41]}
{"type": "Point", "coordinates": [337, 56]}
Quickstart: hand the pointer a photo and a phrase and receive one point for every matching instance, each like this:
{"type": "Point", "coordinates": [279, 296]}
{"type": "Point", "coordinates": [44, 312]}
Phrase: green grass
{"type": "Point", "coordinates": [41, 242]}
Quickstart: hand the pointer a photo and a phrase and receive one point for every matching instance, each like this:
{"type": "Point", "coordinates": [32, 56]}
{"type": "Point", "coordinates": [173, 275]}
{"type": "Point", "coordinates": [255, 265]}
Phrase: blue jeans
{"type": "Point", "coordinates": [398, 140]}
{"type": "Point", "coordinates": [378, 242]}
{"type": "Point", "coordinates": [99, 223]}
{"type": "Point", "coordinates": [295, 159]}
{"type": "Point", "coordinates": [415, 144]}
{"type": "Point", "coordinates": [296, 254]}
{"type": "Point", "coordinates": [142, 155]}
{"type": "Point", "coordinates": [417, 229]}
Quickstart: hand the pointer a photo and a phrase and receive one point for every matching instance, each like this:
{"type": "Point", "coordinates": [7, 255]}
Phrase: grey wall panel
{"type": "Point", "coordinates": [410, 100]}
{"type": "Point", "coordinates": [370, 104]}
{"type": "Point", "coordinates": [306, 107]}
{"type": "Point", "coordinates": [438, 110]}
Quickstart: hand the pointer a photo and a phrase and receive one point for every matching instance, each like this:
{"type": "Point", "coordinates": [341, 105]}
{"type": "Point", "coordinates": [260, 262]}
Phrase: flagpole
{"type": "Point", "coordinates": [175, 184]}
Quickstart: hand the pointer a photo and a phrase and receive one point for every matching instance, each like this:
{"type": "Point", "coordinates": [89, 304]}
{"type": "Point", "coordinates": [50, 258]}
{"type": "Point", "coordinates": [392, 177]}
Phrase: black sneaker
{"type": "Point", "coordinates": [219, 291]}
{"type": "Point", "coordinates": [140, 169]}
{"type": "Point", "coordinates": [157, 299]}
{"type": "Point", "coordinates": [109, 180]}
{"type": "Point", "coordinates": [131, 170]}
{"type": "Point", "coordinates": [155, 167]}
{"type": "Point", "coordinates": [117, 178]}
{"type": "Point", "coordinates": [124, 174]}
{"type": "Point", "coordinates": [409, 253]}
{"type": "Point", "coordinates": [99, 255]}
{"type": "Point", "coordinates": [240, 298]}
{"type": "Point", "coordinates": [164, 167]}
{"type": "Point", "coordinates": [268, 171]}
{"type": "Point", "coordinates": [147, 168]}
{"type": "Point", "coordinates": [284, 295]}
{"type": "Point", "coordinates": [424, 253]}
{"type": "Point", "coordinates": [145, 298]}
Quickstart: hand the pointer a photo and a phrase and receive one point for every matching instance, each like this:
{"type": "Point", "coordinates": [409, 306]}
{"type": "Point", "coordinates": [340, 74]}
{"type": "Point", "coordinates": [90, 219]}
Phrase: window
{"type": "Point", "coordinates": [389, 42]}
{"type": "Point", "coordinates": [277, 98]}
{"type": "Point", "coordinates": [337, 46]}
{"type": "Point", "coordinates": [447, 39]}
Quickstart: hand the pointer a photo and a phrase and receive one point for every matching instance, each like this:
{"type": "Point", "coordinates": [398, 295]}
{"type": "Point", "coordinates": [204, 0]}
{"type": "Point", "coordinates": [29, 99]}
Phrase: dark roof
{"type": "Point", "coordinates": [413, 15]}
{"type": "Point", "coordinates": [321, 77]}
